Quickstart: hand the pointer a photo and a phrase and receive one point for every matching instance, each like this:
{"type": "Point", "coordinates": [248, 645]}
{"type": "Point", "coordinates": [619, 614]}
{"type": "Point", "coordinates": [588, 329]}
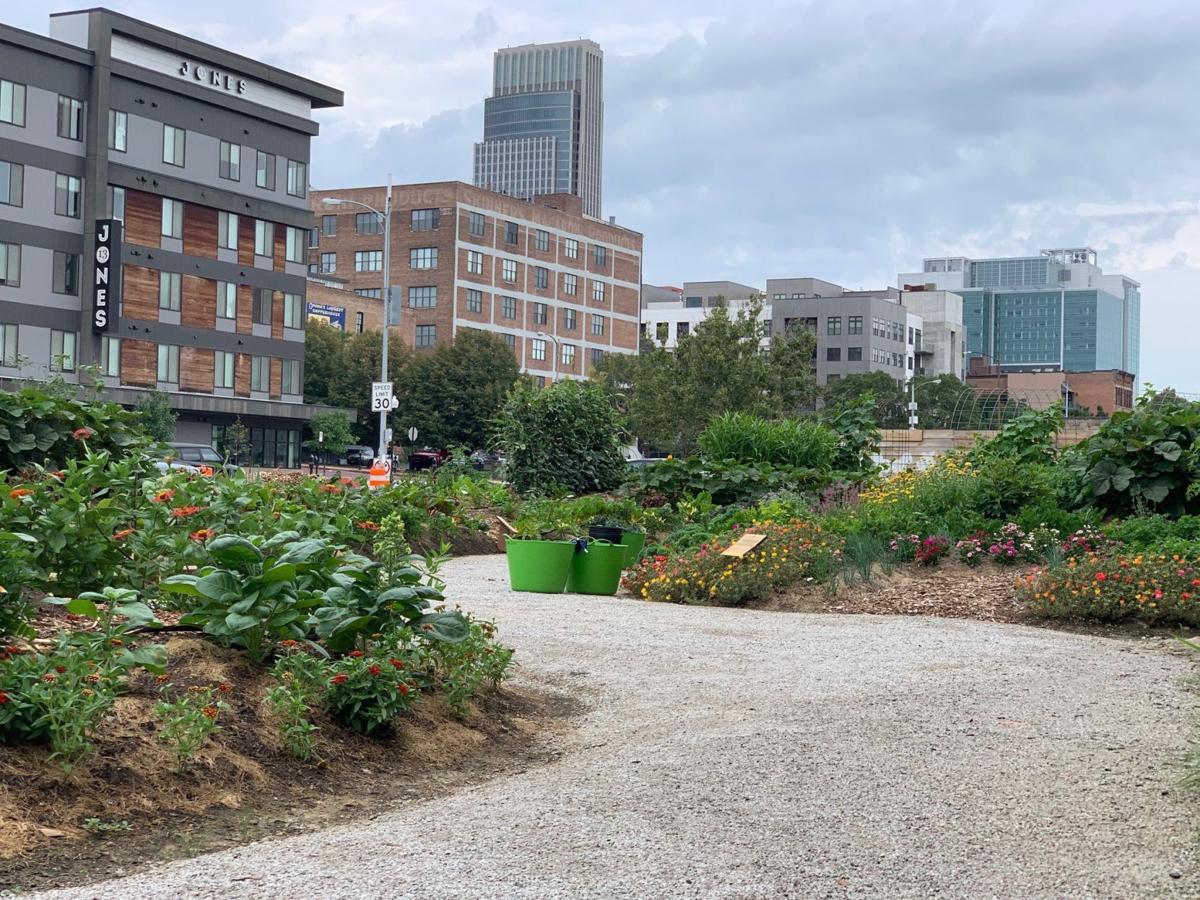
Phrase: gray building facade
{"type": "Point", "coordinates": [544, 123]}
{"type": "Point", "coordinates": [200, 157]}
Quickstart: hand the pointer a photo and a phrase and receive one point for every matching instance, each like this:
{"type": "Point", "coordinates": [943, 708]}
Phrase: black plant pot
{"type": "Point", "coordinates": [606, 533]}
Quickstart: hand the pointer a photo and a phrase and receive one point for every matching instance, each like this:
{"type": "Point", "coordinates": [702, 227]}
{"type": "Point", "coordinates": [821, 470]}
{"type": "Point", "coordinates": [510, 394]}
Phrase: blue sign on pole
{"type": "Point", "coordinates": [333, 315]}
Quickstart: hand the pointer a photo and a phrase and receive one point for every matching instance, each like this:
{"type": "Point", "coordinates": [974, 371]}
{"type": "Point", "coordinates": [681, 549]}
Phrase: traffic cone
{"type": "Point", "coordinates": [380, 475]}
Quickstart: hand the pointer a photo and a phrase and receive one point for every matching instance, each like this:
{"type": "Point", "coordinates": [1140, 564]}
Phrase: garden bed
{"type": "Point", "coordinates": [242, 784]}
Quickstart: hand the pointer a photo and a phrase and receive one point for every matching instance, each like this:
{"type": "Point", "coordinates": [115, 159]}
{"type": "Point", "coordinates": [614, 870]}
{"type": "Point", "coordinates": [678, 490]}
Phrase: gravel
{"type": "Point", "coordinates": [730, 753]}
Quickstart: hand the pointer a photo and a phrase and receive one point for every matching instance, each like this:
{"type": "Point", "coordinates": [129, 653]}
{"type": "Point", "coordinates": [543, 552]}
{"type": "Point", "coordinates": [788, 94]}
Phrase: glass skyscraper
{"type": "Point", "coordinates": [543, 125]}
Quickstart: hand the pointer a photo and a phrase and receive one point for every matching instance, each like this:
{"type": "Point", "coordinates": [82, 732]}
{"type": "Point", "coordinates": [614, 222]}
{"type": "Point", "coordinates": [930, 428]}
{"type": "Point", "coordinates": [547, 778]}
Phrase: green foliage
{"type": "Point", "coordinates": [461, 669]}
{"type": "Point", "coordinates": [95, 825]}
{"type": "Point", "coordinates": [154, 414]}
{"type": "Point", "coordinates": [1027, 439]}
{"type": "Point", "coordinates": [744, 438]}
{"type": "Point", "coordinates": [367, 690]}
{"type": "Point", "coordinates": [236, 442]}
{"type": "Point", "coordinates": [1144, 460]}
{"type": "Point", "coordinates": [339, 370]}
{"type": "Point", "coordinates": [334, 428]}
{"type": "Point", "coordinates": [853, 422]}
{"type": "Point", "coordinates": [876, 392]}
{"type": "Point", "coordinates": [725, 482]}
{"type": "Point", "coordinates": [292, 700]}
{"type": "Point", "coordinates": [39, 426]}
{"type": "Point", "coordinates": [564, 437]}
{"type": "Point", "coordinates": [188, 721]}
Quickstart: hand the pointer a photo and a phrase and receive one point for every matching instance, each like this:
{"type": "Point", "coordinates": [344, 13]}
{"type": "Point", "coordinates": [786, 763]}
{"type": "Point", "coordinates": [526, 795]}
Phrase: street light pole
{"type": "Point", "coordinates": [553, 339]}
{"type": "Point", "coordinates": [912, 403]}
{"type": "Point", "coordinates": [386, 217]}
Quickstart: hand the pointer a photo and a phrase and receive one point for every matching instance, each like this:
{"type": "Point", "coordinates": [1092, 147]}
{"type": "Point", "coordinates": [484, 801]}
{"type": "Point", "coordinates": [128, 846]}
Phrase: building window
{"type": "Point", "coordinates": [295, 250]}
{"type": "Point", "coordinates": [8, 345]}
{"type": "Point", "coordinates": [169, 290]}
{"type": "Point", "coordinates": [260, 373]}
{"type": "Point", "coordinates": [70, 118]}
{"type": "Point", "coordinates": [291, 310]}
{"type": "Point", "coordinates": [314, 238]}
{"type": "Point", "coordinates": [422, 297]}
{"type": "Point", "coordinates": [508, 307]}
{"type": "Point", "coordinates": [368, 260]}
{"type": "Point", "coordinates": [426, 335]}
{"type": "Point", "coordinates": [682, 329]}
{"type": "Point", "coordinates": [474, 262]}
{"type": "Point", "coordinates": [510, 232]}
{"type": "Point", "coordinates": [910, 363]}
{"type": "Point", "coordinates": [264, 170]}
{"type": "Point", "coordinates": [329, 225]}
{"type": "Point", "coordinates": [264, 238]}
{"type": "Point", "coordinates": [509, 270]}
{"type": "Point", "coordinates": [168, 363]}
{"type": "Point", "coordinates": [854, 354]}
{"type": "Point", "coordinates": [423, 258]}
{"type": "Point", "coordinates": [358, 322]}
{"type": "Point", "coordinates": [12, 183]}
{"type": "Point", "coordinates": [223, 369]}
{"type": "Point", "coordinates": [62, 351]}
{"type": "Point", "coordinates": [833, 354]}
{"type": "Point", "coordinates": [601, 254]}
{"type": "Point", "coordinates": [291, 376]}
{"type": "Point", "coordinates": [833, 325]}
{"type": "Point", "coordinates": [10, 265]}
{"type": "Point", "coordinates": [174, 140]}
{"type": "Point", "coordinates": [597, 356]}
{"type": "Point", "coordinates": [116, 202]}
{"type": "Point", "coordinates": [540, 316]}
{"type": "Point", "coordinates": [598, 291]}
{"type": "Point", "coordinates": [263, 300]}
{"type": "Point", "coordinates": [118, 131]}
{"type": "Point", "coordinates": [854, 325]}
{"type": "Point", "coordinates": [297, 178]}
{"type": "Point", "coordinates": [570, 282]}
{"type": "Point", "coordinates": [426, 219]}
{"type": "Point", "coordinates": [541, 240]}
{"type": "Point", "coordinates": [12, 103]}
{"type": "Point", "coordinates": [66, 273]}
{"type": "Point", "coordinates": [597, 325]}
{"type": "Point", "coordinates": [541, 278]}
{"type": "Point", "coordinates": [569, 319]}
{"type": "Point", "coordinates": [328, 263]}
{"type": "Point", "coordinates": [474, 300]}
{"type": "Point", "coordinates": [510, 341]}
{"type": "Point", "coordinates": [172, 218]}
{"type": "Point", "coordinates": [366, 223]}
{"type": "Point", "coordinates": [910, 334]}
{"type": "Point", "coordinates": [68, 195]}
{"type": "Point", "coordinates": [231, 161]}
{"type": "Point", "coordinates": [476, 224]}
{"type": "Point", "coordinates": [539, 349]}
{"type": "Point", "coordinates": [568, 355]}
{"type": "Point", "coordinates": [570, 248]}
{"type": "Point", "coordinates": [110, 356]}
{"type": "Point", "coordinates": [226, 300]}
{"type": "Point", "coordinates": [373, 293]}
{"type": "Point", "coordinates": [227, 230]}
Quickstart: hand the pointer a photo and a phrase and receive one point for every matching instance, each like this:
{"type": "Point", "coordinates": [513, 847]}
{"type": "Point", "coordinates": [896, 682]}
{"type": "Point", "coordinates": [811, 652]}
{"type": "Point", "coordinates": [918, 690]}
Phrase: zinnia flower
{"type": "Point", "coordinates": [3, 698]}
{"type": "Point", "coordinates": [122, 534]}
{"type": "Point", "coordinates": [20, 492]}
{"type": "Point", "coordinates": [82, 434]}
{"type": "Point", "coordinates": [397, 663]}
{"type": "Point", "coordinates": [210, 711]}
{"type": "Point", "coordinates": [368, 525]}
{"type": "Point", "coordinates": [375, 670]}
{"type": "Point", "coordinates": [330, 489]}
{"type": "Point", "coordinates": [225, 688]}
{"type": "Point", "coordinates": [355, 654]}
{"type": "Point", "coordinates": [202, 535]}
{"type": "Point", "coordinates": [403, 688]}
{"type": "Point", "coordinates": [339, 679]}
{"type": "Point", "coordinates": [164, 496]}
{"type": "Point", "coordinates": [182, 512]}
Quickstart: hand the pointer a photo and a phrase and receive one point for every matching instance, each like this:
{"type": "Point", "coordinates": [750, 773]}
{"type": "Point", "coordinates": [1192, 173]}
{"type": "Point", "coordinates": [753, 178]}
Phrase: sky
{"type": "Point", "coordinates": [845, 141]}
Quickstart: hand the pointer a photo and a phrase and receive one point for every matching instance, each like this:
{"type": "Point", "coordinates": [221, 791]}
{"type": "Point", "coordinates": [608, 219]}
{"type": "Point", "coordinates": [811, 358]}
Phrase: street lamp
{"type": "Point", "coordinates": [386, 216]}
{"type": "Point", "coordinates": [912, 403]}
{"type": "Point", "coordinates": [551, 337]}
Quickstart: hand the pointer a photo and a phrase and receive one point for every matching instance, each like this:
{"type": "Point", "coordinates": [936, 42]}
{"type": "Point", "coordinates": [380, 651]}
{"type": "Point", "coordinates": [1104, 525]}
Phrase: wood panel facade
{"type": "Point", "coordinates": [139, 293]}
{"type": "Point", "coordinates": [196, 370]}
{"type": "Point", "coordinates": [139, 363]}
{"type": "Point", "coordinates": [200, 231]}
{"type": "Point", "coordinates": [143, 219]}
{"type": "Point", "coordinates": [199, 304]}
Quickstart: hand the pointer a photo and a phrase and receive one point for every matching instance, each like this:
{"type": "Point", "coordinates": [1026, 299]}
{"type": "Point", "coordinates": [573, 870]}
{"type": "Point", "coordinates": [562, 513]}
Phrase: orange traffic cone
{"type": "Point", "coordinates": [380, 475]}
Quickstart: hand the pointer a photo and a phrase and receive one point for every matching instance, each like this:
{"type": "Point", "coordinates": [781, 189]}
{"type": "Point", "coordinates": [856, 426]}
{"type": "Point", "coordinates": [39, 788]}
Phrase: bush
{"type": "Point", "coordinates": [858, 434]}
{"type": "Point", "coordinates": [793, 443]}
{"type": "Point", "coordinates": [725, 481]}
{"type": "Point", "coordinates": [565, 437]}
{"type": "Point", "coordinates": [47, 427]}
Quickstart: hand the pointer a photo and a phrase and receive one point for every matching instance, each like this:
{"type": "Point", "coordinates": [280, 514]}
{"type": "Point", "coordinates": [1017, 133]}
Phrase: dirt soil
{"type": "Point", "coordinates": [242, 785]}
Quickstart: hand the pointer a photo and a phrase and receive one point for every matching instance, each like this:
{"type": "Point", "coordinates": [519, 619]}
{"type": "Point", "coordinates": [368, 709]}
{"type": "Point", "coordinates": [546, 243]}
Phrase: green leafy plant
{"type": "Point", "coordinates": [366, 692]}
{"type": "Point", "coordinates": [793, 443]}
{"type": "Point", "coordinates": [42, 426]}
{"type": "Point", "coordinates": [97, 826]}
{"type": "Point", "coordinates": [300, 687]}
{"type": "Point", "coordinates": [462, 668]}
{"type": "Point", "coordinates": [188, 721]}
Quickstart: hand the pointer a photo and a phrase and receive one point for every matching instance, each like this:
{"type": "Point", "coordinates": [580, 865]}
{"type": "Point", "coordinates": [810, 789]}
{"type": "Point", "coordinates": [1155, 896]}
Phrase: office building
{"type": "Point", "coordinates": [1054, 311]}
{"type": "Point", "coordinates": [153, 222]}
{"type": "Point", "coordinates": [942, 350]}
{"type": "Point", "coordinates": [559, 288]}
{"type": "Point", "coordinates": [669, 313]}
{"type": "Point", "coordinates": [543, 126]}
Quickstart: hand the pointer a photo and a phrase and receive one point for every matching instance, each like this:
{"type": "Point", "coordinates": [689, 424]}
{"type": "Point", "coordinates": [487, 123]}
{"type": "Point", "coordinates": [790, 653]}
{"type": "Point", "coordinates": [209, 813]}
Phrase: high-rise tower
{"type": "Point", "coordinates": [543, 126]}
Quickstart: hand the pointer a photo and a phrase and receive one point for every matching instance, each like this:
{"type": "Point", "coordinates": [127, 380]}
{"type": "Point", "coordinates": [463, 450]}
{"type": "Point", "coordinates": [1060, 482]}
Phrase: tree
{"type": "Point", "coordinates": [237, 441]}
{"type": "Point", "coordinates": [339, 370]}
{"type": "Point", "coordinates": [324, 347]}
{"type": "Point", "coordinates": [720, 367]}
{"type": "Point", "coordinates": [155, 416]}
{"type": "Point", "coordinates": [888, 398]}
{"type": "Point", "coordinates": [453, 394]}
{"type": "Point", "coordinates": [334, 428]}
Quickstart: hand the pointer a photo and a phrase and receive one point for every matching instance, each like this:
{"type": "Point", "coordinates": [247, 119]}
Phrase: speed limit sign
{"type": "Point", "coordinates": [381, 396]}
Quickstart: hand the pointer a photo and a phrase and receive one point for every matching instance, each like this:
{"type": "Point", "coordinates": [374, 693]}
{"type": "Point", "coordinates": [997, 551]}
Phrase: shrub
{"type": "Point", "coordinates": [366, 691]}
{"type": "Point", "coordinates": [42, 426]}
{"type": "Point", "coordinates": [1114, 587]}
{"type": "Point", "coordinates": [565, 437]}
{"type": "Point", "coordinates": [462, 668]}
{"type": "Point", "coordinates": [741, 437]}
{"type": "Point", "coordinates": [858, 434]}
{"type": "Point", "coordinates": [1027, 439]}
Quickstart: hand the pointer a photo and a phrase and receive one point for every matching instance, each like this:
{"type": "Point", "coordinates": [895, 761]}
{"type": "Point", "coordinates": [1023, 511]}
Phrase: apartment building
{"type": "Point", "coordinates": [559, 288]}
{"type": "Point", "coordinates": [669, 314]}
{"type": "Point", "coordinates": [154, 220]}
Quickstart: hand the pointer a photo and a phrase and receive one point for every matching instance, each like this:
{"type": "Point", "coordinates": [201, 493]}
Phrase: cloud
{"type": "Point", "coordinates": [482, 30]}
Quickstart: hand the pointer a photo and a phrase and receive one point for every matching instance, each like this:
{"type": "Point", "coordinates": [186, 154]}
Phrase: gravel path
{"type": "Point", "coordinates": [731, 753]}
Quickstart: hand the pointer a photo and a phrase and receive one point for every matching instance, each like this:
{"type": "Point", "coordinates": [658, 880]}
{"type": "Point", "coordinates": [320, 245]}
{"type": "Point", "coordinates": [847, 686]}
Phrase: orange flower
{"type": "Point", "coordinates": [330, 489]}
{"type": "Point", "coordinates": [164, 496]}
{"type": "Point", "coordinates": [348, 481]}
{"type": "Point", "coordinates": [162, 679]}
{"type": "Point", "coordinates": [82, 434]}
{"type": "Point", "coordinates": [210, 711]}
{"type": "Point", "coordinates": [225, 688]}
{"type": "Point", "coordinates": [59, 474]}
{"type": "Point", "coordinates": [202, 535]}
{"type": "Point", "coordinates": [122, 534]}
{"type": "Point", "coordinates": [182, 512]}
{"type": "Point", "coordinates": [20, 492]}
{"type": "Point", "coordinates": [368, 525]}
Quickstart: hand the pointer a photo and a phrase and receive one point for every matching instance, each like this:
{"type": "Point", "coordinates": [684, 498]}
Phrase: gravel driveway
{"type": "Point", "coordinates": [731, 753]}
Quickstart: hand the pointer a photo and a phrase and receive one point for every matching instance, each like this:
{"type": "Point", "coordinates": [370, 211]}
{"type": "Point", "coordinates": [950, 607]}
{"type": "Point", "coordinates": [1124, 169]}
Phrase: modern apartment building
{"type": "Point", "coordinates": [153, 222]}
{"type": "Point", "coordinates": [1054, 311]}
{"type": "Point", "coordinates": [669, 314]}
{"type": "Point", "coordinates": [560, 288]}
{"type": "Point", "coordinates": [543, 126]}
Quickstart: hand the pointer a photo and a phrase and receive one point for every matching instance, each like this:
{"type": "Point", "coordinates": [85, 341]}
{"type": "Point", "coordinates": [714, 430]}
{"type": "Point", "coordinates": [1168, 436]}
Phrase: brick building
{"type": "Point", "coordinates": [201, 158]}
{"type": "Point", "coordinates": [465, 257]}
{"type": "Point", "coordinates": [1098, 391]}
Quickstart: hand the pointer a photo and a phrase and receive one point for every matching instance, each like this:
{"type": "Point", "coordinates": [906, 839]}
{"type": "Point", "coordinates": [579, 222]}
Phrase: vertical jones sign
{"type": "Point", "coordinates": [106, 288]}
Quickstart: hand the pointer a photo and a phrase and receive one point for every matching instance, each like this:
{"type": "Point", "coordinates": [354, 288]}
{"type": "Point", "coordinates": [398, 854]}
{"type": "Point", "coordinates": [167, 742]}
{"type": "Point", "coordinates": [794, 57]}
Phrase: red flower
{"type": "Point", "coordinates": [355, 654]}
{"type": "Point", "coordinates": [202, 535]}
{"type": "Point", "coordinates": [330, 489]}
{"type": "Point", "coordinates": [82, 434]}
{"type": "Point", "coordinates": [164, 496]}
{"type": "Point", "coordinates": [375, 670]}
{"type": "Point", "coordinates": [210, 711]}
{"type": "Point", "coordinates": [1158, 593]}
{"type": "Point", "coordinates": [60, 669]}
{"type": "Point", "coordinates": [1100, 576]}
{"type": "Point", "coordinates": [397, 663]}
{"type": "Point", "coordinates": [16, 493]}
{"type": "Point", "coordinates": [122, 534]}
{"type": "Point", "coordinates": [162, 679]}
{"type": "Point", "coordinates": [3, 698]}
{"type": "Point", "coordinates": [340, 679]}
{"type": "Point", "coordinates": [368, 525]}
{"type": "Point", "coordinates": [182, 512]}
{"type": "Point", "coordinates": [49, 678]}
{"type": "Point", "coordinates": [403, 688]}
{"type": "Point", "coordinates": [225, 688]}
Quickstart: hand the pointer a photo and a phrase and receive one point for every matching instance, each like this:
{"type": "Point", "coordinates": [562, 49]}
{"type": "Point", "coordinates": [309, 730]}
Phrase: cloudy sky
{"type": "Point", "coordinates": [757, 139]}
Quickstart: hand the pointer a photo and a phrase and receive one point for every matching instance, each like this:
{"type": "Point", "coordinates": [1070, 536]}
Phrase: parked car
{"type": "Point", "coordinates": [359, 455]}
{"type": "Point", "coordinates": [426, 459]}
{"type": "Point", "coordinates": [204, 458]}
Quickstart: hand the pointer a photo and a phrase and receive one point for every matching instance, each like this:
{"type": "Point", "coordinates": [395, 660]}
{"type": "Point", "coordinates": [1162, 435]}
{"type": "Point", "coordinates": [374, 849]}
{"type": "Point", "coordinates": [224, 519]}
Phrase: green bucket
{"type": "Point", "coordinates": [635, 541]}
{"type": "Point", "coordinates": [538, 566]}
{"type": "Point", "coordinates": [598, 569]}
